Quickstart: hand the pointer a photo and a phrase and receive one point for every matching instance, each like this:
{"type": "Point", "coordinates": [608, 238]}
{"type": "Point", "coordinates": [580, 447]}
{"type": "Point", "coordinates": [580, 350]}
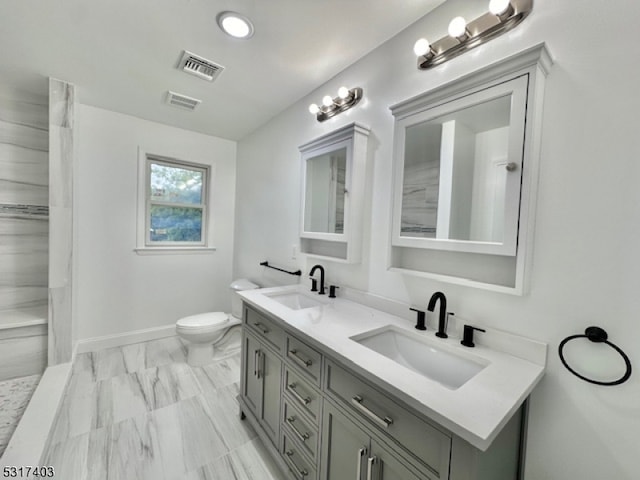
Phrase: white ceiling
{"type": "Point", "coordinates": [122, 54]}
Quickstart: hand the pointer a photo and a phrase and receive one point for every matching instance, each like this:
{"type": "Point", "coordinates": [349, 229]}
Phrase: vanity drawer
{"type": "Point", "coordinates": [301, 394]}
{"type": "Point", "coordinates": [264, 328]}
{"type": "Point", "coordinates": [301, 467]}
{"type": "Point", "coordinates": [305, 358]}
{"type": "Point", "coordinates": [302, 429]}
{"type": "Point", "coordinates": [429, 445]}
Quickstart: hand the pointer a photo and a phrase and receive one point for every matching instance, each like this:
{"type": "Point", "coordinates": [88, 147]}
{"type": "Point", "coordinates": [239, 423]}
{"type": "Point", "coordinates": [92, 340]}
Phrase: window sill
{"type": "Point", "coordinates": [174, 250]}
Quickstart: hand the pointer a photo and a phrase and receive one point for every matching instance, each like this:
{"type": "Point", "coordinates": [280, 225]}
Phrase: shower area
{"type": "Point", "coordinates": [35, 228]}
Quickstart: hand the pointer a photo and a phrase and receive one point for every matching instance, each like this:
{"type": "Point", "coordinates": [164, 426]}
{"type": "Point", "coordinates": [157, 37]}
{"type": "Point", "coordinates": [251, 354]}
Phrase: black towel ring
{"type": "Point", "coordinates": [597, 335]}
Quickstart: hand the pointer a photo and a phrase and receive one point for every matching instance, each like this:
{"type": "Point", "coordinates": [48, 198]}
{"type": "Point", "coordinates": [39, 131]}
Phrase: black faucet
{"type": "Point", "coordinates": [442, 320]}
{"type": "Point", "coordinates": [313, 270]}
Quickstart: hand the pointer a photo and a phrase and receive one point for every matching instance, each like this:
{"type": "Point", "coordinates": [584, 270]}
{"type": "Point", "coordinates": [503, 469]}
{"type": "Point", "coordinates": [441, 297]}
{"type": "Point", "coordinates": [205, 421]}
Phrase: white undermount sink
{"type": "Point", "coordinates": [420, 355]}
{"type": "Point", "coordinates": [295, 300]}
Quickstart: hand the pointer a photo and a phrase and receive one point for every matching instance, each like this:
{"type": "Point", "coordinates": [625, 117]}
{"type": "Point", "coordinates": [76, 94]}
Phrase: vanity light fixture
{"type": "Point", "coordinates": [235, 25]}
{"type": "Point", "coordinates": [332, 106]}
{"type": "Point", "coordinates": [503, 15]}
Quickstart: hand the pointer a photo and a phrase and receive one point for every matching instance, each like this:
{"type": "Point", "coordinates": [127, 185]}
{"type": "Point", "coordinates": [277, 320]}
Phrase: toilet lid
{"type": "Point", "coordinates": [200, 320]}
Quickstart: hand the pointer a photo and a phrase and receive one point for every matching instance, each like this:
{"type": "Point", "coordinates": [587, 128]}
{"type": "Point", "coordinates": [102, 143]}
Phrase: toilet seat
{"type": "Point", "coordinates": [203, 322]}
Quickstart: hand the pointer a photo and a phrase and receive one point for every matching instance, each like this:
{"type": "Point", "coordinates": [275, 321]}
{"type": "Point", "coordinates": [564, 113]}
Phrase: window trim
{"type": "Point", "coordinates": [144, 245]}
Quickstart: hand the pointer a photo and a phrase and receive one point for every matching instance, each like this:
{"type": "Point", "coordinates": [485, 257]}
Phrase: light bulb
{"type": "Point", "coordinates": [327, 101]}
{"type": "Point", "coordinates": [458, 27]}
{"type": "Point", "coordinates": [313, 108]}
{"type": "Point", "coordinates": [499, 7]}
{"type": "Point", "coordinates": [421, 47]}
{"type": "Point", "coordinates": [343, 92]}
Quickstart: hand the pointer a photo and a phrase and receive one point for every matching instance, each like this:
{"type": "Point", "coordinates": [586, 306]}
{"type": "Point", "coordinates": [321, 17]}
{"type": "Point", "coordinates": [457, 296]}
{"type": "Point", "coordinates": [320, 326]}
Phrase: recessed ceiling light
{"type": "Point", "coordinates": [236, 25]}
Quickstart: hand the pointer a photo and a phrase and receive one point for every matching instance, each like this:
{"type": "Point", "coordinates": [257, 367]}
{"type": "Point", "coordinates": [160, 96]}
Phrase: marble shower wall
{"type": "Point", "coordinates": [61, 158]}
{"type": "Point", "coordinates": [24, 234]}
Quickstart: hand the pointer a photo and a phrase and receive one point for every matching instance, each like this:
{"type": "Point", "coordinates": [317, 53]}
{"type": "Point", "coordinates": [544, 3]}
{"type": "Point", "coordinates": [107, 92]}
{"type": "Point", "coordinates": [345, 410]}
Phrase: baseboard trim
{"type": "Point", "coordinates": [120, 339]}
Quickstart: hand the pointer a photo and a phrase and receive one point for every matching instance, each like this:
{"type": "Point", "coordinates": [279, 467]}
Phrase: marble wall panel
{"type": "Point", "coordinates": [60, 166]}
{"type": "Point", "coordinates": [61, 103]}
{"type": "Point", "coordinates": [61, 160]}
{"type": "Point", "coordinates": [24, 143]}
{"type": "Point", "coordinates": [24, 136]}
{"type": "Point", "coordinates": [60, 328]}
{"type": "Point", "coordinates": [21, 298]}
{"type": "Point", "coordinates": [23, 355]}
{"type": "Point", "coordinates": [24, 259]}
{"type": "Point", "coordinates": [24, 175]}
{"type": "Point", "coordinates": [24, 236]}
{"type": "Point", "coordinates": [60, 260]}
{"type": "Point", "coordinates": [31, 110]}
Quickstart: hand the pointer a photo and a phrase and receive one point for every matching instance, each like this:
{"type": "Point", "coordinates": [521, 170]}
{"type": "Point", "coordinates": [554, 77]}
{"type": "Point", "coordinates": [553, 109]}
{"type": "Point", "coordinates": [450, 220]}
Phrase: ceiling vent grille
{"type": "Point", "coordinates": [182, 101]}
{"type": "Point", "coordinates": [199, 66]}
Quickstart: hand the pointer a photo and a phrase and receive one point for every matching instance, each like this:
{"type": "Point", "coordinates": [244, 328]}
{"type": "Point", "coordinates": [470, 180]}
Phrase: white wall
{"type": "Point", "coordinates": [586, 257]}
{"type": "Point", "coordinates": [118, 291]}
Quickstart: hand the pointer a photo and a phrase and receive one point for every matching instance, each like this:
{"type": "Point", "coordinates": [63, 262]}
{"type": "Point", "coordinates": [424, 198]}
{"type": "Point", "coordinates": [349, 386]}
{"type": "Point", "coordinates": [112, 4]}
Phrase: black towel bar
{"type": "Point", "coordinates": [266, 264]}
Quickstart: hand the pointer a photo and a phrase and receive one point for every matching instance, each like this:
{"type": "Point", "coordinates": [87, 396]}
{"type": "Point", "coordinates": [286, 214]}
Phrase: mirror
{"type": "Point", "coordinates": [325, 192]}
{"type": "Point", "coordinates": [455, 176]}
{"type": "Point", "coordinates": [458, 172]}
{"type": "Point", "coordinates": [334, 171]}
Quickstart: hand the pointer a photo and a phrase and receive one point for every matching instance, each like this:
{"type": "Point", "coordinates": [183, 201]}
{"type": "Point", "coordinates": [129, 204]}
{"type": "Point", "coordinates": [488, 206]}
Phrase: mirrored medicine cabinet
{"type": "Point", "coordinates": [465, 169]}
{"type": "Point", "coordinates": [333, 191]}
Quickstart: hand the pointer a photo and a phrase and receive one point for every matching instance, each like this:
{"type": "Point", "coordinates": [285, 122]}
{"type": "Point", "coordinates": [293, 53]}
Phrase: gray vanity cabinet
{"type": "Point", "coordinates": [350, 452]}
{"type": "Point", "coordinates": [324, 421]}
{"type": "Point", "coordinates": [261, 384]}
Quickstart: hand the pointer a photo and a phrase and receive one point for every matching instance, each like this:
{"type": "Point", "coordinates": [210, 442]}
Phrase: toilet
{"type": "Point", "coordinates": [202, 331]}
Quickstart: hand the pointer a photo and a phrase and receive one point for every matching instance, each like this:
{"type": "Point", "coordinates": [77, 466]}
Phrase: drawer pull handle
{"type": "Point", "coordinates": [370, 463]}
{"type": "Point", "coordinates": [300, 398]}
{"type": "Point", "coordinates": [261, 327]}
{"type": "Point", "coordinates": [302, 436]}
{"type": "Point", "coordinates": [361, 453]}
{"type": "Point", "coordinates": [303, 472]}
{"type": "Point", "coordinates": [300, 361]}
{"type": "Point", "coordinates": [383, 422]}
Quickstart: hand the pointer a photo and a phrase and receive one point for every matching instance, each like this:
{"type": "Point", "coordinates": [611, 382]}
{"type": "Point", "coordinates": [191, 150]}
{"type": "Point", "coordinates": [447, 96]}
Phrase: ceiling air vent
{"type": "Point", "coordinates": [182, 101]}
{"type": "Point", "coordinates": [199, 66]}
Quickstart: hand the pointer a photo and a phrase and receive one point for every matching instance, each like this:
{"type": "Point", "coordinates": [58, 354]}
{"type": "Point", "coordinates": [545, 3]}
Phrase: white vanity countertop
{"type": "Point", "coordinates": [476, 411]}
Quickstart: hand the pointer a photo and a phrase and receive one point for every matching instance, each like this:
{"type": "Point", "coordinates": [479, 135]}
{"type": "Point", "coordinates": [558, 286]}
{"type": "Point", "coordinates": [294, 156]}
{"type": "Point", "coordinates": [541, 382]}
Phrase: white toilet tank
{"type": "Point", "coordinates": [236, 301]}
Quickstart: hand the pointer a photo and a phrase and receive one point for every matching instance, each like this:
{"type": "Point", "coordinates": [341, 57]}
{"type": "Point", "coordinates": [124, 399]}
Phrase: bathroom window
{"type": "Point", "coordinates": [174, 200]}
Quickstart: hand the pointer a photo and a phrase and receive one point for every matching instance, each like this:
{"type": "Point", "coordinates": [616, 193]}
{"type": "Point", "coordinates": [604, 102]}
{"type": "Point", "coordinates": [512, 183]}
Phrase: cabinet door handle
{"type": "Point", "coordinates": [303, 472]}
{"type": "Point", "coordinates": [303, 400]}
{"type": "Point", "coordinates": [261, 327]}
{"type": "Point", "coordinates": [260, 357]}
{"type": "Point", "coordinates": [302, 436]}
{"type": "Point", "coordinates": [255, 363]}
{"type": "Point", "coordinates": [300, 361]}
{"type": "Point", "coordinates": [357, 400]}
{"type": "Point", "coordinates": [370, 463]}
{"type": "Point", "coordinates": [361, 453]}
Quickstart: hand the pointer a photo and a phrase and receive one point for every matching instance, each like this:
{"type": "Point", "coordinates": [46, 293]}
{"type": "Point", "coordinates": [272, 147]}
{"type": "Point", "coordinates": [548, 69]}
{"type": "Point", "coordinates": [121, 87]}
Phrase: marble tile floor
{"type": "Point", "coordinates": [14, 398]}
{"type": "Point", "coordinates": [141, 412]}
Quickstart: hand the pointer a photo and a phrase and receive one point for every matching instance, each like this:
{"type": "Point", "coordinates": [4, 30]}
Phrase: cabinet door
{"type": "Point", "coordinates": [386, 465]}
{"type": "Point", "coordinates": [270, 372]}
{"type": "Point", "coordinates": [345, 447]}
{"type": "Point", "coordinates": [252, 387]}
